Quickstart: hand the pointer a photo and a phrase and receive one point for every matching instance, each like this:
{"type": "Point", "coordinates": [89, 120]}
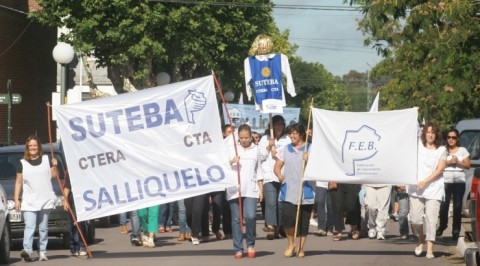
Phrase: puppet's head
{"type": "Point", "coordinates": [261, 45]}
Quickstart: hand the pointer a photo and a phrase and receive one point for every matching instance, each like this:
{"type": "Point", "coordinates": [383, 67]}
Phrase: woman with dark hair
{"type": "Point", "coordinates": [458, 160]}
{"type": "Point", "coordinates": [34, 173]}
{"type": "Point", "coordinates": [427, 194]}
{"type": "Point", "coordinates": [289, 170]}
{"type": "Point", "coordinates": [267, 151]}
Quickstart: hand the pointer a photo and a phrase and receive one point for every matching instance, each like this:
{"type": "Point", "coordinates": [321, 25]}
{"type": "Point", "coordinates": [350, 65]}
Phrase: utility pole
{"type": "Point", "coordinates": [9, 120]}
{"type": "Point", "coordinates": [369, 90]}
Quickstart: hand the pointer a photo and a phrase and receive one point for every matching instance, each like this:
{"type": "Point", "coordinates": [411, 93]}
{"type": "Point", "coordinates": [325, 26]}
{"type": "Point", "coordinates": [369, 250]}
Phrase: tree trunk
{"type": "Point", "coordinates": [94, 91]}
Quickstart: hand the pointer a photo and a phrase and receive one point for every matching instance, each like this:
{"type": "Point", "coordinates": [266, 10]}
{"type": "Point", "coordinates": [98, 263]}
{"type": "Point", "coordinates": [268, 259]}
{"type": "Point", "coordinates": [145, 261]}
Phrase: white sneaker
{"type": "Point", "coordinates": [313, 222]}
{"type": "Point", "coordinates": [372, 233]}
{"type": "Point", "coordinates": [195, 241]}
{"type": "Point", "coordinates": [380, 236]}
{"type": "Point", "coordinates": [42, 257]}
{"type": "Point", "coordinates": [82, 253]}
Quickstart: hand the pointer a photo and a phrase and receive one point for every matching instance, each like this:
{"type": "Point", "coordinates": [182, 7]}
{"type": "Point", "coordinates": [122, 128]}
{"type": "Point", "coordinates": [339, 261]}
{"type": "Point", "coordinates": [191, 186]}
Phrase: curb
{"type": "Point", "coordinates": [462, 245]}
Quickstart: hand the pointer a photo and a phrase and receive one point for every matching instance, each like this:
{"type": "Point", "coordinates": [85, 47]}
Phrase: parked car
{"type": "Point", "coordinates": [5, 239]}
{"type": "Point", "coordinates": [59, 219]}
{"type": "Point", "coordinates": [473, 250]}
{"type": "Point", "coordinates": [470, 139]}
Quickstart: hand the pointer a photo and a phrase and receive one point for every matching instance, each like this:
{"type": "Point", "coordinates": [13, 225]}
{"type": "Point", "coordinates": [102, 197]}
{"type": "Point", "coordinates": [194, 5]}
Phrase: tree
{"type": "Point", "coordinates": [135, 39]}
{"type": "Point", "coordinates": [313, 81]}
{"type": "Point", "coordinates": [431, 55]}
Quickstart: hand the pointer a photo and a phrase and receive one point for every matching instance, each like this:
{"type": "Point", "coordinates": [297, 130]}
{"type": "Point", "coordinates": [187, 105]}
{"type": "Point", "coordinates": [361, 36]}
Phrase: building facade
{"type": "Point", "coordinates": [26, 60]}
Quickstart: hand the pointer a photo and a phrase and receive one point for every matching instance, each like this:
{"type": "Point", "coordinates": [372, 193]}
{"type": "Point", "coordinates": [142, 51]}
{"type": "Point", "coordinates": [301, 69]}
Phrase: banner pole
{"type": "Point", "coordinates": [240, 207]}
{"type": "Point", "coordinates": [57, 177]}
{"type": "Point", "coordinates": [300, 192]}
{"type": "Point", "coordinates": [270, 122]}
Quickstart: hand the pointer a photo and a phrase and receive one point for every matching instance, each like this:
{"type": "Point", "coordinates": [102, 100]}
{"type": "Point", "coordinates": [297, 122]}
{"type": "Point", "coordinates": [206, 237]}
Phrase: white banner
{"type": "Point", "coordinates": [364, 148]}
{"type": "Point", "coordinates": [145, 148]}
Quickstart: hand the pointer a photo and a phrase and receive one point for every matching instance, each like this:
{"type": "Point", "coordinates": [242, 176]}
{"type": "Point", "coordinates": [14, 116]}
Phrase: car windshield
{"type": "Point", "coordinates": [9, 161]}
{"type": "Point", "coordinates": [470, 139]}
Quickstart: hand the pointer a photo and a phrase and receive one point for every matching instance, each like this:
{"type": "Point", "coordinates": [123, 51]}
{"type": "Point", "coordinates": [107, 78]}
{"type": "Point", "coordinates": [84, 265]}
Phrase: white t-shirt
{"type": "Point", "coordinates": [248, 172]}
{"type": "Point", "coordinates": [427, 163]}
{"type": "Point", "coordinates": [266, 160]}
{"type": "Point", "coordinates": [37, 186]}
{"type": "Point", "coordinates": [323, 184]}
{"type": "Point", "coordinates": [454, 173]}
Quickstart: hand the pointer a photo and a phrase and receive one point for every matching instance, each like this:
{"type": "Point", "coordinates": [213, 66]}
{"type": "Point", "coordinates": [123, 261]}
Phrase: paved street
{"type": "Point", "coordinates": [113, 248]}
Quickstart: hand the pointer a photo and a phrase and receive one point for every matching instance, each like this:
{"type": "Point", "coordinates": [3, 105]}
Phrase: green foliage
{"type": "Point", "coordinates": [313, 82]}
{"type": "Point", "coordinates": [135, 39]}
{"type": "Point", "coordinates": [431, 55]}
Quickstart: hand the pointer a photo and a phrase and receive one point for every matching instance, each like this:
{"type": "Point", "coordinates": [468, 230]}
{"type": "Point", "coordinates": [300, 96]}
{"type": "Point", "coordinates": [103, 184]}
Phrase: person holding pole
{"type": "Point", "coordinates": [291, 159]}
{"type": "Point", "coordinates": [77, 248]}
{"type": "Point", "coordinates": [267, 150]}
{"type": "Point", "coordinates": [34, 172]}
{"type": "Point", "coordinates": [250, 189]}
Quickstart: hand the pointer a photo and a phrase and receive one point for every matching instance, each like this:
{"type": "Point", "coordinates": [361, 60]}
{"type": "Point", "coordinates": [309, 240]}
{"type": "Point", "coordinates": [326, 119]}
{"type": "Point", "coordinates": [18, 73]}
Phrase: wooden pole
{"type": "Point", "coordinates": [72, 215]}
{"type": "Point", "coordinates": [300, 192]}
{"type": "Point", "coordinates": [240, 207]}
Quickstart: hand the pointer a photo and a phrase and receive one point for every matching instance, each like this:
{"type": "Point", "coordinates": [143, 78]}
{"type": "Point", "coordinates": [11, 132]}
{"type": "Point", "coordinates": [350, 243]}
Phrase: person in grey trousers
{"type": "Point", "coordinates": [403, 210]}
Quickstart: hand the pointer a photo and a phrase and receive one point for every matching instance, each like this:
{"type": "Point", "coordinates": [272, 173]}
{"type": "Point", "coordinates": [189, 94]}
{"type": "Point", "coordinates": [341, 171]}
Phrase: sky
{"type": "Point", "coordinates": [329, 37]}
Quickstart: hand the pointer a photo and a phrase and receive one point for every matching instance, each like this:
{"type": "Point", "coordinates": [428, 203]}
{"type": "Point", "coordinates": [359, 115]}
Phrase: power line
{"type": "Point", "coordinates": [13, 9]}
{"type": "Point", "coordinates": [16, 40]}
{"type": "Point", "coordinates": [251, 5]}
{"type": "Point", "coordinates": [336, 49]}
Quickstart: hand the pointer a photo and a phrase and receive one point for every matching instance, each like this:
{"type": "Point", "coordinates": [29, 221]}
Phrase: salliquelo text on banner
{"type": "Point", "coordinates": [145, 148]}
{"type": "Point", "coordinates": [364, 148]}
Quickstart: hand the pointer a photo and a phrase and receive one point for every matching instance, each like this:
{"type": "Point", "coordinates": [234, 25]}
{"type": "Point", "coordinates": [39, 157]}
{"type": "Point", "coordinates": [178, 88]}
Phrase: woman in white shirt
{"type": "Point", "coordinates": [34, 174]}
{"type": "Point", "coordinates": [458, 160]}
{"type": "Point", "coordinates": [427, 194]}
{"type": "Point", "coordinates": [245, 164]}
{"type": "Point", "coordinates": [267, 150]}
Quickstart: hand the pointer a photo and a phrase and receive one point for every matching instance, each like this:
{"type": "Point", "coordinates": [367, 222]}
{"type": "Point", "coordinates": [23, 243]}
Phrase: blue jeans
{"type": "Point", "coordinates": [123, 218]}
{"type": "Point", "coordinates": [165, 215]}
{"type": "Point", "coordinates": [218, 209]}
{"type": "Point", "coordinates": [182, 217]}
{"type": "Point", "coordinates": [324, 209]}
{"type": "Point", "coordinates": [76, 241]}
{"type": "Point", "coordinates": [136, 226]}
{"type": "Point", "coordinates": [273, 212]}
{"type": "Point", "coordinates": [249, 212]}
{"type": "Point", "coordinates": [403, 210]}
{"type": "Point", "coordinates": [32, 219]}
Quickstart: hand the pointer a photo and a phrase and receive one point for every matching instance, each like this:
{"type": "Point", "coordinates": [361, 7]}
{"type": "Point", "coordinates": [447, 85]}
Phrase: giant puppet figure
{"type": "Point", "coordinates": [263, 76]}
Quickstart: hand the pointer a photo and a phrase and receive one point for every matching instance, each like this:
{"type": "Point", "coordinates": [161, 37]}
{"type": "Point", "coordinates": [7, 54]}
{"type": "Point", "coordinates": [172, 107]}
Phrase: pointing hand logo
{"type": "Point", "coordinates": [194, 102]}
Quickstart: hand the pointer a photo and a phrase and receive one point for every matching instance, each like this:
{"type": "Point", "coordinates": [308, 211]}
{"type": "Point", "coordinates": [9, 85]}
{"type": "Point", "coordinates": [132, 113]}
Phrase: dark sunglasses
{"type": "Point", "coordinates": [451, 137]}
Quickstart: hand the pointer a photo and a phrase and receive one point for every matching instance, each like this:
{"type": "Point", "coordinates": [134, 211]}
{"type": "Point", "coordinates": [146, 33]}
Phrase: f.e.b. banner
{"type": "Point", "coordinates": [364, 148]}
{"type": "Point", "coordinates": [145, 148]}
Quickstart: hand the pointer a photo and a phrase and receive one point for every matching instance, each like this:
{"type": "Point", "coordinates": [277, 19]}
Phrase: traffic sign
{"type": "Point", "coordinates": [16, 98]}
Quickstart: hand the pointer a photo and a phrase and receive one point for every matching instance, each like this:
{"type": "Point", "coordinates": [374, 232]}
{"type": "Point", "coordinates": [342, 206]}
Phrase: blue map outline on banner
{"type": "Point", "coordinates": [348, 135]}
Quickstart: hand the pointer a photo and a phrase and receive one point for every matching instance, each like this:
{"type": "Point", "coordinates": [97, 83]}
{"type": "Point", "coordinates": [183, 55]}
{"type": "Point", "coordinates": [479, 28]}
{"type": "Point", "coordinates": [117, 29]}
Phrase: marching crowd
{"type": "Point", "coordinates": [269, 170]}
{"type": "Point", "coordinates": [270, 175]}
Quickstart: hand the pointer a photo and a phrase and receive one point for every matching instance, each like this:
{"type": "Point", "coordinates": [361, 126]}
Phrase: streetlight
{"type": "Point", "coordinates": [63, 54]}
{"type": "Point", "coordinates": [162, 78]}
{"type": "Point", "coordinates": [229, 96]}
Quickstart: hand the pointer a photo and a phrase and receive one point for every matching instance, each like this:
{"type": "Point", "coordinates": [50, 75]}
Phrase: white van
{"type": "Point", "coordinates": [470, 139]}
